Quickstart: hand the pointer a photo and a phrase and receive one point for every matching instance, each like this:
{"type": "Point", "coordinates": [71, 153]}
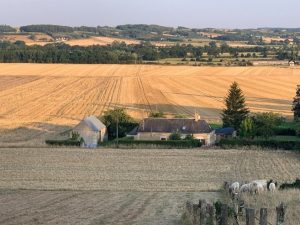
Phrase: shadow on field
{"type": "Point", "coordinates": [32, 134]}
{"type": "Point", "coordinates": [261, 104]}
{"type": "Point", "coordinates": [172, 109]}
{"type": "Point", "coordinates": [271, 100]}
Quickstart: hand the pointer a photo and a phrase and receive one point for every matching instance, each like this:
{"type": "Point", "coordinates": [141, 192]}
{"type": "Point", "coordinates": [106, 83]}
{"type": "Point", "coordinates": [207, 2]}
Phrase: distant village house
{"type": "Point", "coordinates": [291, 63]}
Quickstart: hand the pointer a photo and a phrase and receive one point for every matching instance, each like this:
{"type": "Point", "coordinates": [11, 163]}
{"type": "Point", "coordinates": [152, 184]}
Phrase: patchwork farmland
{"type": "Point", "coordinates": [39, 99]}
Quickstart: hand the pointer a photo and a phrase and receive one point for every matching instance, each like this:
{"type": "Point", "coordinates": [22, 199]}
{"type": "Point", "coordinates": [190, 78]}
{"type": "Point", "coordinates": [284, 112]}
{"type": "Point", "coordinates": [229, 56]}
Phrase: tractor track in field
{"type": "Point", "coordinates": [140, 82]}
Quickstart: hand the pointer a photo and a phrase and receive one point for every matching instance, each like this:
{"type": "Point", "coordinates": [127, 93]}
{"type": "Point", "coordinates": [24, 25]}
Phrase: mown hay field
{"type": "Point", "coordinates": [105, 186]}
{"type": "Point", "coordinates": [39, 99]}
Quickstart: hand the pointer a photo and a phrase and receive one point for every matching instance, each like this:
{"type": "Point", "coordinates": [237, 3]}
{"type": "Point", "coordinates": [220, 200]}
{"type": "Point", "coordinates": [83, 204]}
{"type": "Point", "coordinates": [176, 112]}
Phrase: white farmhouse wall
{"type": "Point", "coordinates": [90, 137]}
{"type": "Point", "coordinates": [210, 138]}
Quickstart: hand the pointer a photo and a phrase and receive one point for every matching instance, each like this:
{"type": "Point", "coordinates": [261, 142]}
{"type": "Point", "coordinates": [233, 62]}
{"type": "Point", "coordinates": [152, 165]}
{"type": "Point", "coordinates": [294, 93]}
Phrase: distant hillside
{"type": "Point", "coordinates": [145, 32]}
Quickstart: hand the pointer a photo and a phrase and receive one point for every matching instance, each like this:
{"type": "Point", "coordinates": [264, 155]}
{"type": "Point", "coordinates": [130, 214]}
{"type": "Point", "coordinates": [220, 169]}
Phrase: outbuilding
{"type": "Point", "coordinates": [227, 132]}
{"type": "Point", "coordinates": [92, 131]}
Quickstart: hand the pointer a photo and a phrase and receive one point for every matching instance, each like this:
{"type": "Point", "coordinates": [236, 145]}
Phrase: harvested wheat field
{"type": "Point", "coordinates": [94, 207]}
{"type": "Point", "coordinates": [39, 99]}
{"type": "Point", "coordinates": [40, 39]}
{"type": "Point", "coordinates": [75, 186]}
{"type": "Point", "coordinates": [100, 41]}
{"type": "Point", "coordinates": [140, 170]}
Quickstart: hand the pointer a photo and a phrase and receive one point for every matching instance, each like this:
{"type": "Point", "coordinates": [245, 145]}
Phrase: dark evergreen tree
{"type": "Point", "coordinates": [296, 104]}
{"type": "Point", "coordinates": [236, 110]}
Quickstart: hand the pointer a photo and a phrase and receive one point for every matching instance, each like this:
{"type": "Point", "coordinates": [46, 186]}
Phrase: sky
{"type": "Point", "coordinates": [188, 13]}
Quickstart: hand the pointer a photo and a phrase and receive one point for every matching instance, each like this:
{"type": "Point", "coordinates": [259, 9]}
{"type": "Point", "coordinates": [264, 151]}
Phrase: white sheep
{"type": "Point", "coordinates": [263, 183]}
{"type": "Point", "coordinates": [257, 188]}
{"type": "Point", "coordinates": [245, 188]}
{"type": "Point", "coordinates": [234, 187]}
{"type": "Point", "coordinates": [272, 187]}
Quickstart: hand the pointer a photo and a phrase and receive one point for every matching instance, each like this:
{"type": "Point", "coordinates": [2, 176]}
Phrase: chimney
{"type": "Point", "coordinates": [197, 117]}
{"type": "Point", "coordinates": [143, 124]}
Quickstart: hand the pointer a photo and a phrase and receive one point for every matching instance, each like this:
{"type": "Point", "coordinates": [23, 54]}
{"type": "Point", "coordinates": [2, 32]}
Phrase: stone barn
{"type": "Point", "coordinates": [92, 130]}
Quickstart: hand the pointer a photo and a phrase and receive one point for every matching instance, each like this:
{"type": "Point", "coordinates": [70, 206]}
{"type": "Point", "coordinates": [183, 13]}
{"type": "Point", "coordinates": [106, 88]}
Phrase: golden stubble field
{"type": "Point", "coordinates": [108, 186]}
{"type": "Point", "coordinates": [39, 99]}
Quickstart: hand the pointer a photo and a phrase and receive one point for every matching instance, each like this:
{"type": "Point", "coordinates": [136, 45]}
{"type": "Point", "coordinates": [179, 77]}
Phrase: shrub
{"type": "Point", "coordinates": [271, 144]}
{"type": "Point", "coordinates": [189, 137]}
{"type": "Point", "coordinates": [266, 124]}
{"type": "Point", "coordinates": [69, 142]}
{"type": "Point", "coordinates": [295, 184]}
{"type": "Point", "coordinates": [156, 144]}
{"type": "Point", "coordinates": [176, 136]}
{"type": "Point", "coordinates": [75, 136]}
{"type": "Point", "coordinates": [285, 131]}
{"type": "Point", "coordinates": [157, 114]}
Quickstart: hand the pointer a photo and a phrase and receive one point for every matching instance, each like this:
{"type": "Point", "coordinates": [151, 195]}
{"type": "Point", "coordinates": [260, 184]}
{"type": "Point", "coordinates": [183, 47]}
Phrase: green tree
{"type": "Point", "coordinates": [296, 104]}
{"type": "Point", "coordinates": [266, 124]}
{"type": "Point", "coordinates": [175, 136]}
{"type": "Point", "coordinates": [297, 128]}
{"type": "Point", "coordinates": [236, 110]}
{"type": "Point", "coordinates": [189, 137]}
{"type": "Point", "coordinates": [118, 123]}
{"type": "Point", "coordinates": [247, 129]}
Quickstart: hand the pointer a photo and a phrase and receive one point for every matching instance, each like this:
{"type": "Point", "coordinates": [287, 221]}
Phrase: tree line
{"type": "Point", "coordinates": [6, 28]}
{"type": "Point", "coordinates": [118, 52]}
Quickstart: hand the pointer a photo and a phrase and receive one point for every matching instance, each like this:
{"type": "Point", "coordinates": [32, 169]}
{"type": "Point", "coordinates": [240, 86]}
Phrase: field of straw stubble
{"type": "Point", "coordinates": [127, 186]}
{"type": "Point", "coordinates": [38, 99]}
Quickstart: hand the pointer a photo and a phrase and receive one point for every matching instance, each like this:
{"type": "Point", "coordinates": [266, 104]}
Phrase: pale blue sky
{"type": "Point", "coordinates": [190, 13]}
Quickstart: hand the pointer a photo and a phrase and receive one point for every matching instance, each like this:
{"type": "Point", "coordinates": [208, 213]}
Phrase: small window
{"type": "Point", "coordinates": [163, 138]}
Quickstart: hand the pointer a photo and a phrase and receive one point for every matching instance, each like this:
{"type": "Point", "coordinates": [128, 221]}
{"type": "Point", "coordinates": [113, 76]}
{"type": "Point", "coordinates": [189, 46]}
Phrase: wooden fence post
{"type": "Point", "coordinates": [224, 214]}
{"type": "Point", "coordinates": [211, 214]}
{"type": "Point", "coordinates": [250, 216]}
{"type": "Point", "coordinates": [202, 206]}
{"type": "Point", "coordinates": [195, 214]}
{"type": "Point", "coordinates": [280, 214]}
{"type": "Point", "coordinates": [263, 220]}
{"type": "Point", "coordinates": [189, 209]}
{"type": "Point", "coordinates": [241, 206]}
{"type": "Point", "coordinates": [226, 186]}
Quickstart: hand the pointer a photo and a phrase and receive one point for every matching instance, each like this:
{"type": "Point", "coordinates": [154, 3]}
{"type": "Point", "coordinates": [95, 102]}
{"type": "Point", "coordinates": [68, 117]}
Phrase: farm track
{"type": "Point", "coordinates": [61, 95]}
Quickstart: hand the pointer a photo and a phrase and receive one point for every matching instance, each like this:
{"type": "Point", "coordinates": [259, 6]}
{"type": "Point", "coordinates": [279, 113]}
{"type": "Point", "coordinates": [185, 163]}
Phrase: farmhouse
{"type": "Point", "coordinates": [161, 129]}
{"type": "Point", "coordinates": [92, 130]}
{"type": "Point", "coordinates": [291, 63]}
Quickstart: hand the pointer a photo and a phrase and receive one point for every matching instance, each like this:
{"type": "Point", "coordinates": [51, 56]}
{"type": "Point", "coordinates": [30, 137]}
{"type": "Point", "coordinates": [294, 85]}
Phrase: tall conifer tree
{"type": "Point", "coordinates": [236, 110]}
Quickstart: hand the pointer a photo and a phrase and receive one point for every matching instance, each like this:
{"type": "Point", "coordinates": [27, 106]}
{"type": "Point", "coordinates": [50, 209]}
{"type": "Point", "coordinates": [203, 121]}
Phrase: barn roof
{"type": "Point", "coordinates": [225, 131]}
{"type": "Point", "coordinates": [94, 123]}
{"type": "Point", "coordinates": [185, 126]}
